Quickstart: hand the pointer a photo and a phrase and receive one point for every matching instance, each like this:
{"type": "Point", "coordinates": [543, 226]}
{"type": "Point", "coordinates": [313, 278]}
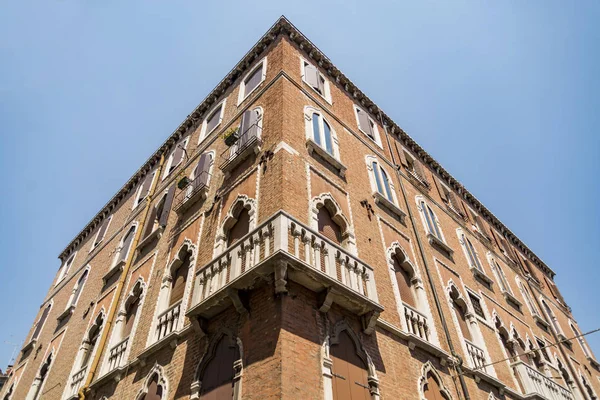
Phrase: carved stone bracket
{"type": "Point", "coordinates": [326, 299]}
{"type": "Point", "coordinates": [234, 295]}
{"type": "Point", "coordinates": [369, 320]}
{"type": "Point", "coordinates": [199, 326]}
{"type": "Point", "coordinates": [281, 277]}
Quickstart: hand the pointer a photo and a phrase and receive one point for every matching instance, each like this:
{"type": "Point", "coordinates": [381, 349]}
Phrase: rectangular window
{"type": "Point", "coordinates": [101, 232]}
{"type": "Point", "coordinates": [476, 305]}
{"type": "Point", "coordinates": [412, 165]}
{"type": "Point", "coordinates": [253, 80]}
{"type": "Point", "coordinates": [213, 120]}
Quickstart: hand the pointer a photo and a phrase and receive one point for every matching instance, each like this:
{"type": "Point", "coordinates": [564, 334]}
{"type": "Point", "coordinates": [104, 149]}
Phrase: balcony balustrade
{"type": "Point", "coordinates": [77, 381]}
{"type": "Point", "coordinates": [116, 354]}
{"type": "Point", "coordinates": [168, 321]}
{"type": "Point", "coordinates": [535, 383]}
{"type": "Point", "coordinates": [291, 251]}
{"type": "Point", "coordinates": [416, 322]}
{"type": "Point", "coordinates": [476, 356]}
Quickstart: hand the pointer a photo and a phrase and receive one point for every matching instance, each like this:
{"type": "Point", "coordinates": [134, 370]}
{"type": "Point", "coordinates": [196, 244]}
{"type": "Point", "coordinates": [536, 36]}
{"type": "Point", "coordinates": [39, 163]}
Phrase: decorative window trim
{"type": "Point", "coordinates": [503, 281]}
{"type": "Point", "coordinates": [96, 243]}
{"type": "Point", "coordinates": [242, 95]}
{"type": "Point", "coordinates": [477, 271]}
{"type": "Point", "coordinates": [327, 363]}
{"type": "Point", "coordinates": [419, 295]}
{"type": "Point", "coordinates": [328, 201]}
{"type": "Point", "coordinates": [484, 309]}
{"type": "Point", "coordinates": [117, 265]}
{"type": "Point", "coordinates": [241, 201]}
{"type": "Point", "coordinates": [116, 335]}
{"type": "Point", "coordinates": [64, 272]}
{"type": "Point", "coordinates": [427, 369]}
{"type": "Point", "coordinates": [377, 139]}
{"type": "Point", "coordinates": [34, 340]}
{"type": "Point", "coordinates": [72, 303]}
{"type": "Point", "coordinates": [168, 165]}
{"type": "Point", "coordinates": [326, 87]}
{"type": "Point", "coordinates": [209, 355]}
{"type": "Point", "coordinates": [203, 133]}
{"type": "Point", "coordinates": [162, 381]}
{"type": "Point", "coordinates": [35, 396]}
{"type": "Point", "coordinates": [433, 239]}
{"type": "Point", "coordinates": [138, 192]}
{"type": "Point", "coordinates": [380, 198]}
{"type": "Point", "coordinates": [313, 146]}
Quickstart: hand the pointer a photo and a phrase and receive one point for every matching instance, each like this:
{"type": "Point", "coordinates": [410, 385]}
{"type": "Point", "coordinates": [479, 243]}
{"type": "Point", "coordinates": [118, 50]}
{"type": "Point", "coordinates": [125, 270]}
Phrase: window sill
{"type": "Point", "coordinates": [114, 270]}
{"type": "Point", "coordinates": [509, 297]}
{"type": "Point", "coordinates": [383, 202]}
{"type": "Point", "coordinates": [371, 139]}
{"type": "Point", "coordinates": [313, 147]}
{"type": "Point", "coordinates": [66, 314]}
{"type": "Point", "coordinates": [434, 241]}
{"type": "Point", "coordinates": [482, 277]}
{"type": "Point", "coordinates": [29, 345]}
{"type": "Point", "coordinates": [455, 211]}
{"type": "Point", "coordinates": [156, 234]}
{"type": "Point", "coordinates": [541, 321]}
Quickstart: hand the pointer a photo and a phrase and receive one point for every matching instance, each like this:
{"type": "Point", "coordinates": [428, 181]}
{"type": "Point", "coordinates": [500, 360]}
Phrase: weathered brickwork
{"type": "Point", "coordinates": [283, 296]}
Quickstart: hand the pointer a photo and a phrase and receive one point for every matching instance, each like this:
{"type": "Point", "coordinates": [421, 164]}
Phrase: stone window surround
{"type": "Point", "coordinates": [327, 200]}
{"type": "Point", "coordinates": [326, 87]}
{"type": "Point", "coordinates": [162, 381]}
{"type": "Point", "coordinates": [203, 133]}
{"type": "Point", "coordinates": [242, 95]}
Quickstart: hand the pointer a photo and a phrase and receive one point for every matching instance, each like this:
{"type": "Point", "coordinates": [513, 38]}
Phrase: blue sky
{"type": "Point", "coordinates": [504, 94]}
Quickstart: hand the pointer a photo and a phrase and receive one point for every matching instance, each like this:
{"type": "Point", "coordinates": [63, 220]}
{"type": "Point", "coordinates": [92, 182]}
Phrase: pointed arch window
{"type": "Point", "coordinates": [432, 224]}
{"type": "Point", "coordinates": [552, 318]}
{"type": "Point", "coordinates": [218, 376]}
{"type": "Point", "coordinates": [382, 181]}
{"type": "Point", "coordinates": [179, 280]}
{"type": "Point", "coordinates": [502, 281]}
{"type": "Point", "coordinates": [350, 373]}
{"type": "Point", "coordinates": [36, 387]}
{"type": "Point", "coordinates": [64, 270]}
{"type": "Point", "coordinates": [328, 227]}
{"type": "Point", "coordinates": [155, 389]}
{"type": "Point", "coordinates": [432, 389]}
{"type": "Point", "coordinates": [403, 279]}
{"type": "Point", "coordinates": [581, 341]}
{"type": "Point", "coordinates": [240, 228]}
{"type": "Point", "coordinates": [472, 254]}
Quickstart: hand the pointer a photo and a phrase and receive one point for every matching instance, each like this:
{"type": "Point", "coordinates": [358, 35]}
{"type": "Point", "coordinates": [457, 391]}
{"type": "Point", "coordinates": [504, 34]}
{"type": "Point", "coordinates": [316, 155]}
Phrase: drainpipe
{"type": "Point", "coordinates": [120, 286]}
{"type": "Point", "coordinates": [438, 305]}
{"type": "Point", "coordinates": [558, 342]}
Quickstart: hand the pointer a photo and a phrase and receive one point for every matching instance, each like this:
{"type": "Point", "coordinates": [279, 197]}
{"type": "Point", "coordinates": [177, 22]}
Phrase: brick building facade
{"type": "Point", "coordinates": [289, 240]}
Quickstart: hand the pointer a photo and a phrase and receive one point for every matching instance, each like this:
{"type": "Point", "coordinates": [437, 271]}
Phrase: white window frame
{"type": "Point", "coordinates": [184, 142]}
{"type": "Point", "coordinates": [119, 249]}
{"type": "Point", "coordinates": [72, 301]}
{"type": "Point", "coordinates": [63, 273]}
{"type": "Point", "coordinates": [486, 318]}
{"type": "Point", "coordinates": [203, 133]}
{"type": "Point", "coordinates": [97, 242]}
{"type": "Point", "coordinates": [377, 140]}
{"type": "Point", "coordinates": [242, 95]}
{"type": "Point", "coordinates": [480, 271]}
{"type": "Point", "coordinates": [138, 193]}
{"type": "Point", "coordinates": [381, 198]}
{"type": "Point", "coordinates": [308, 115]}
{"type": "Point", "coordinates": [421, 200]}
{"type": "Point", "coordinates": [326, 87]}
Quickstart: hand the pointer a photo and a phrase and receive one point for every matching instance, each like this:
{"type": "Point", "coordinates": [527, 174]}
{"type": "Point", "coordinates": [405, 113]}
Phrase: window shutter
{"type": "Point", "coordinates": [455, 202]}
{"type": "Point", "coordinates": [248, 128]}
{"type": "Point", "coordinates": [554, 291]}
{"type": "Point", "coordinates": [403, 281]}
{"type": "Point", "coordinates": [40, 323]}
{"type": "Point", "coordinates": [146, 187]}
{"type": "Point", "coordinates": [419, 170]}
{"type": "Point", "coordinates": [481, 225]}
{"type": "Point", "coordinates": [177, 155]}
{"type": "Point", "coordinates": [80, 284]}
{"type": "Point", "coordinates": [126, 245]}
{"type": "Point", "coordinates": [102, 230]}
{"type": "Point", "coordinates": [166, 209]}
{"type": "Point", "coordinates": [440, 188]}
{"type": "Point", "coordinates": [363, 122]}
{"type": "Point", "coordinates": [201, 171]}
{"type": "Point", "coordinates": [149, 228]}
{"type": "Point", "coordinates": [350, 374]}
{"type": "Point", "coordinates": [311, 76]}
{"type": "Point", "coordinates": [402, 155]}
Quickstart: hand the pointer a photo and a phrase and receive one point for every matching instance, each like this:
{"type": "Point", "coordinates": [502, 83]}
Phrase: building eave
{"type": "Point", "coordinates": [285, 27]}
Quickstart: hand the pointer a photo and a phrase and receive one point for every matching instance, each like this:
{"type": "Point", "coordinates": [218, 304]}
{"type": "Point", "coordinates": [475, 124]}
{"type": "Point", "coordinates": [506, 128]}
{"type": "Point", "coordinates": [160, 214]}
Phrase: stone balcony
{"type": "Point", "coordinates": [286, 249]}
{"type": "Point", "coordinates": [537, 385]}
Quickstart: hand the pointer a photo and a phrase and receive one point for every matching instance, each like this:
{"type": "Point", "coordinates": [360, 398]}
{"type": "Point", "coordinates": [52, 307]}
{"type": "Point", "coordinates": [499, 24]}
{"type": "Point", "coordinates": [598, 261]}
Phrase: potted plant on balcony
{"type": "Point", "coordinates": [231, 136]}
{"type": "Point", "coordinates": [183, 182]}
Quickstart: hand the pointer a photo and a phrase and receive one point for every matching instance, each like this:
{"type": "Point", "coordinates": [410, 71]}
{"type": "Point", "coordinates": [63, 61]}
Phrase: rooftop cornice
{"type": "Point", "coordinates": [285, 27]}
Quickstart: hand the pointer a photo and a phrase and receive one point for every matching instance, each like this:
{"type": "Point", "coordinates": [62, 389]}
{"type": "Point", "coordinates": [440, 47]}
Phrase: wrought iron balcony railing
{"type": "Point", "coordinates": [248, 143]}
{"type": "Point", "coordinates": [292, 251]}
{"type": "Point", "coordinates": [195, 190]}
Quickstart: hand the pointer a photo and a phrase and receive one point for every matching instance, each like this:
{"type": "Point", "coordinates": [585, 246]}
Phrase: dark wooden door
{"type": "Point", "coordinates": [217, 377]}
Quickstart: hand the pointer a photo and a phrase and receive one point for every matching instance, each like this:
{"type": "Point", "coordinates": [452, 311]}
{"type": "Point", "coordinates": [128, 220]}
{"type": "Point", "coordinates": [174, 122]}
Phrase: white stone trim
{"type": "Point", "coordinates": [184, 143]}
{"type": "Point", "coordinates": [203, 133]}
{"type": "Point", "coordinates": [242, 95]}
{"type": "Point", "coordinates": [162, 381]}
{"type": "Point", "coordinates": [377, 140]}
{"type": "Point", "coordinates": [242, 201]}
{"type": "Point", "coordinates": [328, 201]}
{"type": "Point", "coordinates": [426, 369]}
{"type": "Point", "coordinates": [326, 87]}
